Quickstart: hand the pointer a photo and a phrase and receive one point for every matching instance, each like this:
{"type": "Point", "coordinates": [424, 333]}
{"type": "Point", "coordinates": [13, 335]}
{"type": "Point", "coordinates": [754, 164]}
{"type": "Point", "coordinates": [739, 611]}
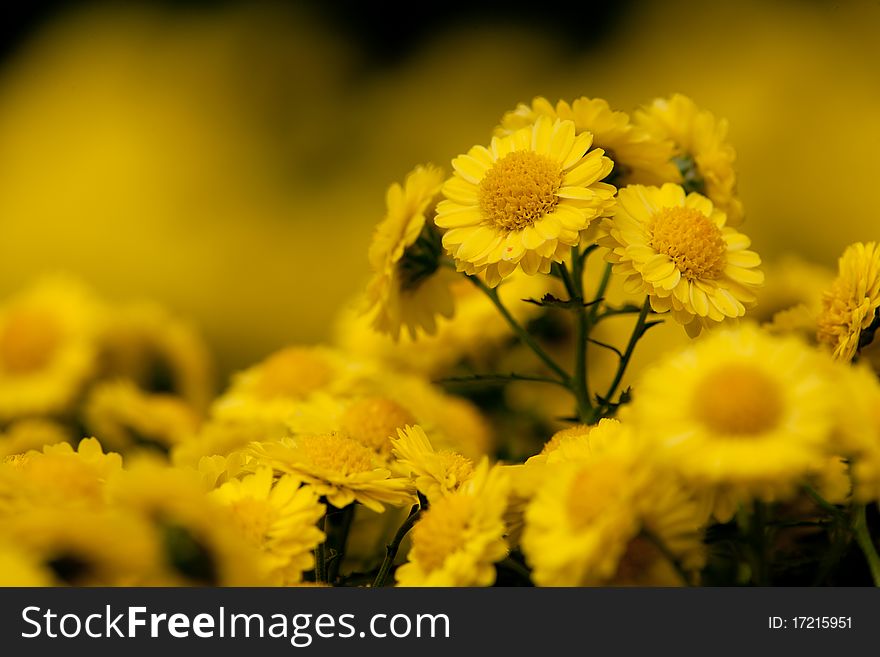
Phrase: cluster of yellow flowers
{"type": "Point", "coordinates": [750, 455]}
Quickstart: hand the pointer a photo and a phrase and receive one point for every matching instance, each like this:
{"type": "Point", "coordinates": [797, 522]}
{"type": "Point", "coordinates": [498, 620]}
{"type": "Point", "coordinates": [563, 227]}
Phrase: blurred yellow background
{"type": "Point", "coordinates": [231, 162]}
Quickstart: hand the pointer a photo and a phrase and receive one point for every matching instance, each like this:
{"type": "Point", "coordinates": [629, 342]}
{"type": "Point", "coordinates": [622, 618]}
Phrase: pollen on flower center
{"type": "Point", "coordinates": [293, 372]}
{"type": "Point", "coordinates": [338, 454]}
{"type": "Point", "coordinates": [28, 341]}
{"type": "Point", "coordinates": [254, 518]}
{"type": "Point", "coordinates": [590, 492]}
{"type": "Point", "coordinates": [519, 189]}
{"type": "Point", "coordinates": [691, 239]}
{"type": "Point", "coordinates": [373, 421]}
{"type": "Point", "coordinates": [738, 400]}
{"type": "Point", "coordinates": [441, 530]}
{"type": "Point", "coordinates": [458, 469]}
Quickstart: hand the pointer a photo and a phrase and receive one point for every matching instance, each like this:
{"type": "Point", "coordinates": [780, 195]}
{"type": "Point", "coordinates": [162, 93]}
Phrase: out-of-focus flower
{"type": "Point", "coordinates": [639, 158]}
{"type": "Point", "coordinates": [128, 418]}
{"type": "Point", "coordinates": [58, 475]}
{"type": "Point", "coordinates": [523, 201]}
{"type": "Point", "coordinates": [436, 473]}
{"type": "Point", "coordinates": [47, 348]}
{"type": "Point", "coordinates": [159, 352]}
{"type": "Point", "coordinates": [857, 435]}
{"type": "Point", "coordinates": [280, 519]}
{"type": "Point", "coordinates": [79, 546]}
{"type": "Point", "coordinates": [460, 537]}
{"type": "Point", "coordinates": [850, 306]}
{"type": "Point", "coordinates": [677, 249]}
{"type": "Point", "coordinates": [602, 510]}
{"type": "Point", "coordinates": [198, 541]}
{"type": "Point", "coordinates": [25, 435]}
{"type": "Point", "coordinates": [702, 153]}
{"type": "Point", "coordinates": [410, 286]}
{"type": "Point", "coordinates": [474, 336]}
{"type": "Point", "coordinates": [338, 467]}
{"type": "Point", "coordinates": [20, 567]}
{"type": "Point", "coordinates": [741, 414]}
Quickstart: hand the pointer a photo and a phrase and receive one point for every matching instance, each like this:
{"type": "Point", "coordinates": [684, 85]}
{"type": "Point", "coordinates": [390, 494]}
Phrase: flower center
{"type": "Point", "coordinates": [293, 372]}
{"type": "Point", "coordinates": [253, 517]}
{"type": "Point", "coordinates": [591, 491]}
{"type": "Point", "coordinates": [458, 469]}
{"type": "Point", "coordinates": [691, 239]}
{"type": "Point", "coordinates": [336, 453]}
{"type": "Point", "coordinates": [738, 400]}
{"type": "Point", "coordinates": [519, 189]}
{"type": "Point", "coordinates": [641, 554]}
{"type": "Point", "coordinates": [441, 530]}
{"type": "Point", "coordinates": [374, 421]}
{"type": "Point", "coordinates": [28, 341]}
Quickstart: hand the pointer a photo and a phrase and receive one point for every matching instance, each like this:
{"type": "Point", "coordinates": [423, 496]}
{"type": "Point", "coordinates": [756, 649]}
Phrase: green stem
{"type": "Point", "coordinates": [520, 332]}
{"type": "Point", "coordinates": [579, 384]}
{"type": "Point", "coordinates": [600, 292]}
{"type": "Point", "coordinates": [339, 526]}
{"type": "Point", "coordinates": [321, 555]}
{"type": "Point", "coordinates": [392, 548]}
{"type": "Point", "coordinates": [863, 538]}
{"type": "Point", "coordinates": [627, 355]}
{"type": "Point", "coordinates": [477, 379]}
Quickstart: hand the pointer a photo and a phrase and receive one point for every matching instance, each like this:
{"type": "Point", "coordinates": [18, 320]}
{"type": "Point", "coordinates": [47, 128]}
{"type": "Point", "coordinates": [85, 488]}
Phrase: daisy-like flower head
{"type": "Point", "coordinates": [280, 520]}
{"type": "Point", "coordinates": [409, 287]}
{"type": "Point", "coordinates": [851, 306]}
{"type": "Point", "coordinates": [339, 468]}
{"type": "Point", "coordinates": [127, 418]}
{"type": "Point", "coordinates": [523, 201]}
{"type": "Point", "coordinates": [595, 520]}
{"type": "Point", "coordinates": [460, 537]}
{"type": "Point", "coordinates": [436, 473]}
{"type": "Point", "coordinates": [740, 414]}
{"type": "Point", "coordinates": [638, 156]}
{"type": "Point", "coordinates": [159, 352]}
{"type": "Point", "coordinates": [199, 544]}
{"type": "Point", "coordinates": [702, 153]}
{"type": "Point", "coordinates": [678, 250]}
{"type": "Point", "coordinates": [58, 475]}
{"type": "Point", "coordinates": [47, 349]}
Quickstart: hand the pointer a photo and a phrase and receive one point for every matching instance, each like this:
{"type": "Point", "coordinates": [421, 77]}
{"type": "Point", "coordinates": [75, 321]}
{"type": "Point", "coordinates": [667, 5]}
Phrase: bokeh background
{"type": "Point", "coordinates": [230, 159]}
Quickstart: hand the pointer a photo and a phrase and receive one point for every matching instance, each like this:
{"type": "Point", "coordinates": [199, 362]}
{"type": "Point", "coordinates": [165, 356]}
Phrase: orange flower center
{"type": "Point", "coordinates": [691, 240]}
{"type": "Point", "coordinates": [28, 341]}
{"type": "Point", "coordinates": [374, 421]}
{"type": "Point", "coordinates": [293, 372]}
{"type": "Point", "coordinates": [519, 189]}
{"type": "Point", "coordinates": [738, 400]}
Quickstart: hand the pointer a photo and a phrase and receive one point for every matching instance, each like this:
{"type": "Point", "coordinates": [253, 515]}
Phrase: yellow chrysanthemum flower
{"type": "Point", "coordinates": [26, 435]}
{"type": "Point", "coordinates": [47, 349]}
{"type": "Point", "coordinates": [198, 543]}
{"type": "Point", "coordinates": [436, 473]}
{"type": "Point", "coordinates": [339, 468]}
{"type": "Point", "coordinates": [127, 418]}
{"type": "Point", "coordinates": [160, 352]}
{"type": "Point", "coordinates": [851, 306]}
{"type": "Point", "coordinates": [280, 520]}
{"type": "Point", "coordinates": [639, 158]}
{"type": "Point", "coordinates": [677, 249]}
{"type": "Point", "coordinates": [598, 516]}
{"type": "Point", "coordinates": [88, 547]}
{"type": "Point", "coordinates": [523, 201]}
{"type": "Point", "coordinates": [58, 475]}
{"type": "Point", "coordinates": [740, 414]}
{"type": "Point", "coordinates": [704, 157]}
{"type": "Point", "coordinates": [461, 535]}
{"type": "Point", "coordinates": [409, 287]}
